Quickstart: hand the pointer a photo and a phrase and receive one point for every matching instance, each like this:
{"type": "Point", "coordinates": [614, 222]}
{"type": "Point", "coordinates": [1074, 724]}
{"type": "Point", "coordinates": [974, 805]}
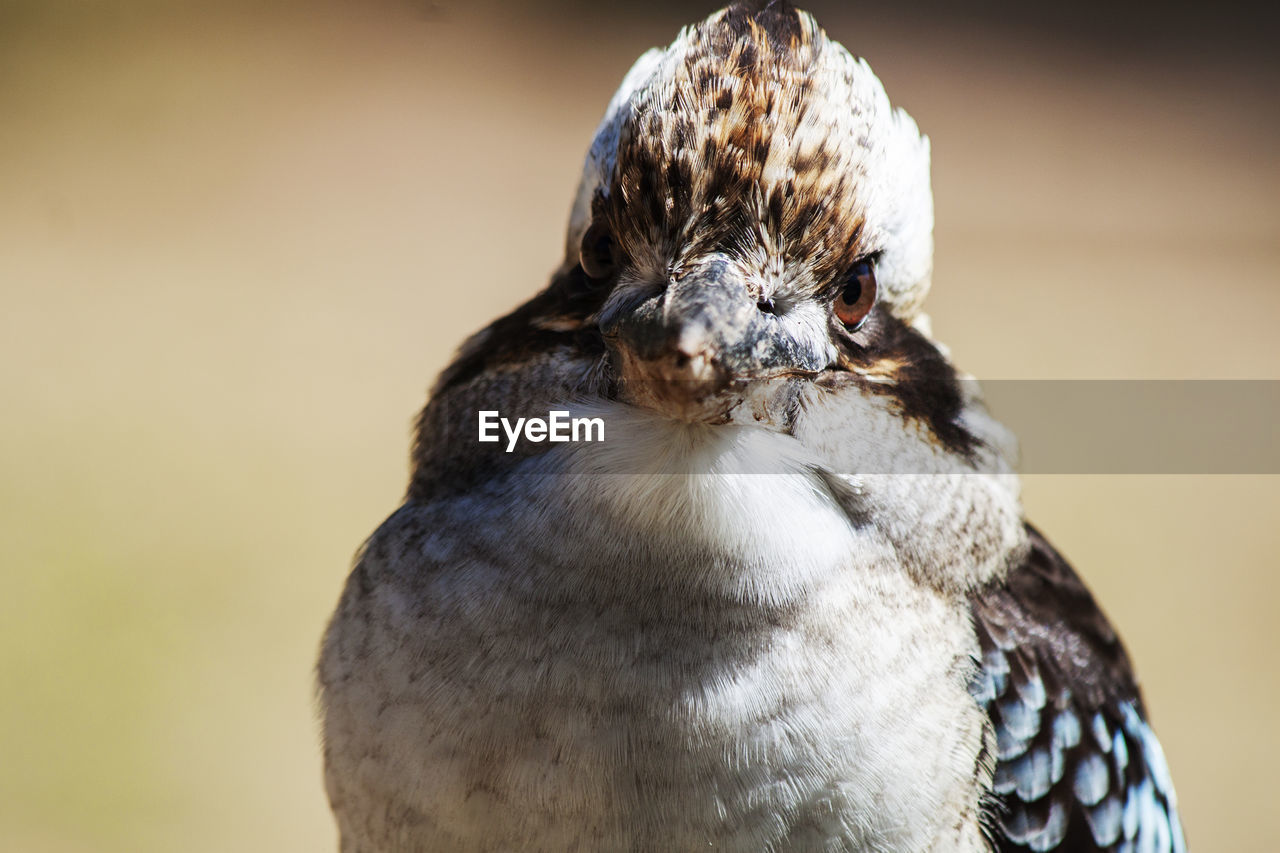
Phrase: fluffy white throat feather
{"type": "Point", "coordinates": [752, 498]}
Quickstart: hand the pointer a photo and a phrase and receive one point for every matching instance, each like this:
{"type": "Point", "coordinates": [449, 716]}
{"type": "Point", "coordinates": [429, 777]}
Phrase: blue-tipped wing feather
{"type": "Point", "coordinates": [1077, 766]}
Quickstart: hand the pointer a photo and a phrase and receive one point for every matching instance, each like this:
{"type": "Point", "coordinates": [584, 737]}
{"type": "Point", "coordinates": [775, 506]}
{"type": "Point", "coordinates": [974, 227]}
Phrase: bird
{"type": "Point", "coordinates": [785, 597]}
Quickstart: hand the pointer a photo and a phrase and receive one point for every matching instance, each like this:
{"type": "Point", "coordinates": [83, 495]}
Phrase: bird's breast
{"type": "Point", "coordinates": [596, 662]}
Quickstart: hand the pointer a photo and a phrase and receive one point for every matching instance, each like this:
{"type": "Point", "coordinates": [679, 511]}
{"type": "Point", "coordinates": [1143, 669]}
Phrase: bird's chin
{"type": "Point", "coordinates": [692, 390]}
{"type": "Point", "coordinates": [711, 398]}
{"type": "Point", "coordinates": [683, 400]}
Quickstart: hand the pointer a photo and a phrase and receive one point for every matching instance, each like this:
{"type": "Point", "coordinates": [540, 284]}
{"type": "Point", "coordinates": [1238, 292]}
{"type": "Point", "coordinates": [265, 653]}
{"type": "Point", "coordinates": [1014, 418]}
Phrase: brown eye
{"type": "Point", "coordinates": [858, 297]}
{"type": "Point", "coordinates": [598, 258]}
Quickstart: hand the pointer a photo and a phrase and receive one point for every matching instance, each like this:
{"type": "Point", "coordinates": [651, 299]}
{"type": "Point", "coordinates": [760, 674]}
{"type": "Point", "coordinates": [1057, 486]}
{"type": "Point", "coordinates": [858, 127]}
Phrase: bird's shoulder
{"type": "Point", "coordinates": [1077, 766]}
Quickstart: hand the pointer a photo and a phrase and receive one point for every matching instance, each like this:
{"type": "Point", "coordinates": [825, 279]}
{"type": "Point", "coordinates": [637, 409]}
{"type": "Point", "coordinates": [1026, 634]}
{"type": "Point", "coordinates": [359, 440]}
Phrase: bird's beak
{"type": "Point", "coordinates": [704, 334]}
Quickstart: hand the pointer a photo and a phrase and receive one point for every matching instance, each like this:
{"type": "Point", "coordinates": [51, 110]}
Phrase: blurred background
{"type": "Point", "coordinates": [238, 240]}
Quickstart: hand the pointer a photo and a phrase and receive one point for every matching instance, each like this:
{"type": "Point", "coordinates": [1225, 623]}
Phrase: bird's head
{"type": "Point", "coordinates": [750, 244]}
{"type": "Point", "coordinates": [747, 255]}
{"type": "Point", "coordinates": [751, 209]}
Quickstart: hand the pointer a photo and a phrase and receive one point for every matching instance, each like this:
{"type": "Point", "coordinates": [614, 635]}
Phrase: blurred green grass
{"type": "Point", "coordinates": [236, 244]}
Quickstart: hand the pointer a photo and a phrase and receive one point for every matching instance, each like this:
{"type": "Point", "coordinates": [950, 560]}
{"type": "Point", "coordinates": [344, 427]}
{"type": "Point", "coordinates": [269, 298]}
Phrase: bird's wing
{"type": "Point", "coordinates": [1077, 766]}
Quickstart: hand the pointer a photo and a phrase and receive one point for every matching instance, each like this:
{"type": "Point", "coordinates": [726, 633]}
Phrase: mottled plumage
{"type": "Point", "coordinates": [790, 602]}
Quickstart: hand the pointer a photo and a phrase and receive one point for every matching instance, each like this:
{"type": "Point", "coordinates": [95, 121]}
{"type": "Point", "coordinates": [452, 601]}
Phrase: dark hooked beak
{"type": "Point", "coordinates": [703, 333]}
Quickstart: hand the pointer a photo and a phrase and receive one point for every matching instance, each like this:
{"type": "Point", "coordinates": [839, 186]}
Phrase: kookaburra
{"type": "Point", "coordinates": [790, 601]}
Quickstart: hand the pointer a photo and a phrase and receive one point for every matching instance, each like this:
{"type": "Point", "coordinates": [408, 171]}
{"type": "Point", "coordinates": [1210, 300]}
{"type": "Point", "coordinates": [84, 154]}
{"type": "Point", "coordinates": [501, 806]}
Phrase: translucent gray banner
{"type": "Point", "coordinates": [1141, 426]}
{"type": "Point", "coordinates": [1061, 426]}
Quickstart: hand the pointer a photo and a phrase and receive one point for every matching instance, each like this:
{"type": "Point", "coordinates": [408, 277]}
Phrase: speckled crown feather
{"type": "Point", "coordinates": [756, 135]}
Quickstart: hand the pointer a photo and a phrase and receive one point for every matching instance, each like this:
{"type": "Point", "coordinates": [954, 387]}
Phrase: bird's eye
{"type": "Point", "coordinates": [858, 296]}
{"type": "Point", "coordinates": [598, 258]}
